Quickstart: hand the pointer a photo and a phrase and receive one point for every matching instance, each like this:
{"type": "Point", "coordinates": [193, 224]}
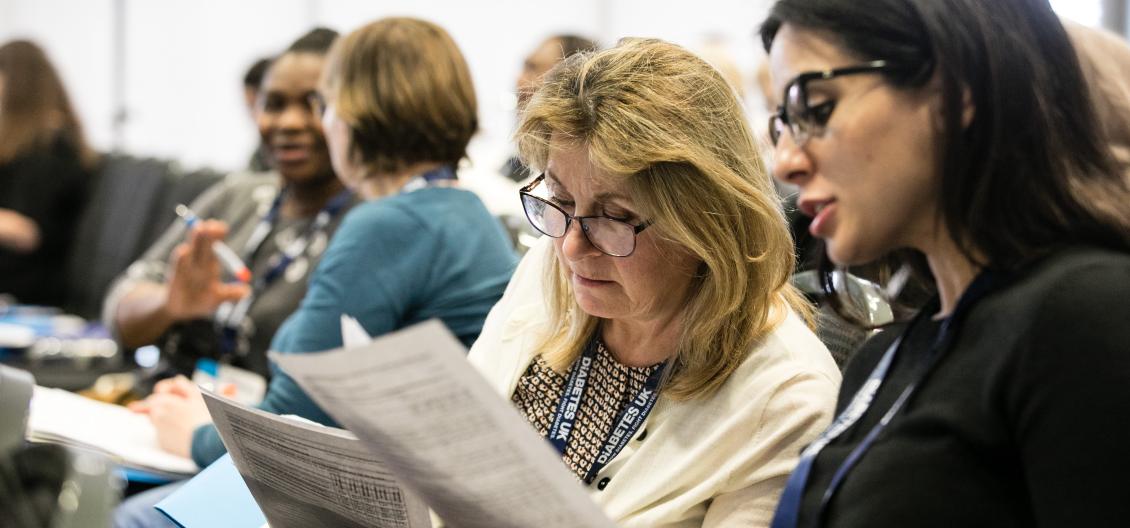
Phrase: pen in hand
{"type": "Point", "coordinates": [228, 258]}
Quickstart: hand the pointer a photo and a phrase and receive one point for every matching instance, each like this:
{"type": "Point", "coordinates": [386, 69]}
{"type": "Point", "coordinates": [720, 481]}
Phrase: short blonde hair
{"type": "Point", "coordinates": [404, 89]}
{"type": "Point", "coordinates": [668, 127]}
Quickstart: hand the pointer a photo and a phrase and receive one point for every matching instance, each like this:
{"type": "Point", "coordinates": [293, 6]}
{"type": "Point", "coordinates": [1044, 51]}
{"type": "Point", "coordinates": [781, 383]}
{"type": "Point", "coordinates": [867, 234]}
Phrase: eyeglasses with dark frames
{"type": "Point", "coordinates": [805, 121]}
{"type": "Point", "coordinates": [611, 236]}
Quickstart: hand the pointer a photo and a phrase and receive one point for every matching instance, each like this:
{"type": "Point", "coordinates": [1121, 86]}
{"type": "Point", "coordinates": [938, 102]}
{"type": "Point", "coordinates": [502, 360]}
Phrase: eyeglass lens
{"type": "Point", "coordinates": [794, 115]}
{"type": "Point", "coordinates": [612, 237]}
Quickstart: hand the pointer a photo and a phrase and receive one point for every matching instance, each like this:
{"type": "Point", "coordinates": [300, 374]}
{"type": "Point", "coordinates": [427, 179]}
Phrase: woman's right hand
{"type": "Point", "coordinates": [194, 287]}
{"type": "Point", "coordinates": [176, 408]}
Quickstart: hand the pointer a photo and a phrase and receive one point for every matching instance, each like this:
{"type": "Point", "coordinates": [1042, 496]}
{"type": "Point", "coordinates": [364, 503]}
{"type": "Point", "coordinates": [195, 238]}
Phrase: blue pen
{"type": "Point", "coordinates": [227, 257]}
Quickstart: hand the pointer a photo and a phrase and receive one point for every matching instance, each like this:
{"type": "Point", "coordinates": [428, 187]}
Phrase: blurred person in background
{"type": "Point", "coordinates": [398, 108]}
{"type": "Point", "coordinates": [544, 57]}
{"type": "Point", "coordinates": [252, 84]}
{"type": "Point", "coordinates": [278, 223]}
{"type": "Point", "coordinates": [45, 166]}
{"type": "Point", "coordinates": [1105, 59]}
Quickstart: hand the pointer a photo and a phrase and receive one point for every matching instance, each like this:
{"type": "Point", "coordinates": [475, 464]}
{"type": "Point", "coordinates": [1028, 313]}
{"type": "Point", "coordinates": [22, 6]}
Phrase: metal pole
{"type": "Point", "coordinates": [118, 90]}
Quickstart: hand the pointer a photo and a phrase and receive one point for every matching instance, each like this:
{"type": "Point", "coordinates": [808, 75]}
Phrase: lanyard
{"type": "Point", "coordinates": [231, 317]}
{"type": "Point", "coordinates": [283, 259]}
{"type": "Point", "coordinates": [626, 425]}
{"type": "Point", "coordinates": [438, 177]}
{"type": "Point", "coordinates": [788, 509]}
{"type": "Point", "coordinates": [329, 211]}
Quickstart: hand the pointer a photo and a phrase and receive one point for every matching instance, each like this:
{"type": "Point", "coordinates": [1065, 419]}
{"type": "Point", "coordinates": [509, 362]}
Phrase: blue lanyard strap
{"type": "Point", "coordinates": [286, 256]}
{"type": "Point", "coordinates": [280, 261]}
{"type": "Point", "coordinates": [231, 319]}
{"type": "Point", "coordinates": [444, 175]}
{"type": "Point", "coordinates": [629, 421]}
{"type": "Point", "coordinates": [788, 509]}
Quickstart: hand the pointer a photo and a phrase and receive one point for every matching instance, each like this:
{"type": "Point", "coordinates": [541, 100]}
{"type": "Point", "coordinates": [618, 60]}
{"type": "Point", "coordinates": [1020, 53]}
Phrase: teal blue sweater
{"type": "Point", "coordinates": [393, 262]}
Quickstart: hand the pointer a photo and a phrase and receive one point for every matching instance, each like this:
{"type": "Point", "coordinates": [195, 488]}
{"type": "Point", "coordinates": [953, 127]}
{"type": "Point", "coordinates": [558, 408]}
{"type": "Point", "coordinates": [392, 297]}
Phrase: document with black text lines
{"type": "Point", "coordinates": [413, 398]}
{"type": "Point", "coordinates": [303, 474]}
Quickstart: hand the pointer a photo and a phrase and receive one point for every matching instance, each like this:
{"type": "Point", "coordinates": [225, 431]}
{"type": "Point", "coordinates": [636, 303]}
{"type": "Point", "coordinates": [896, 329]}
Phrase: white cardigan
{"type": "Point", "coordinates": [721, 461]}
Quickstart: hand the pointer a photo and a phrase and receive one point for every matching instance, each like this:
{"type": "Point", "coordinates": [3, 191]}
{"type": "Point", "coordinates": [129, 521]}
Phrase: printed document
{"type": "Point", "coordinates": [416, 402]}
{"type": "Point", "coordinates": [303, 474]}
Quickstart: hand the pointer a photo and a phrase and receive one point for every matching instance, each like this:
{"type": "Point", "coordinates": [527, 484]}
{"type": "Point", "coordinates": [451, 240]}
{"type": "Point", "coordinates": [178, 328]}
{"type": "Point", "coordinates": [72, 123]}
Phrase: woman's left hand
{"type": "Point", "coordinates": [176, 409]}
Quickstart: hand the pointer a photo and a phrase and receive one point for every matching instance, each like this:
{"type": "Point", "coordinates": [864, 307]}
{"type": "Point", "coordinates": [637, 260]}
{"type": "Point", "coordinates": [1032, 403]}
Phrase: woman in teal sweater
{"type": "Point", "coordinates": [398, 109]}
{"type": "Point", "coordinates": [430, 253]}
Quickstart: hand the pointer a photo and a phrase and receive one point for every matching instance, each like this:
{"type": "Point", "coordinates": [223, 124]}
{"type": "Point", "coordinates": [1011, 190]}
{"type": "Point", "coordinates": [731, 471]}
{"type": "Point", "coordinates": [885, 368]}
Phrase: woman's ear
{"type": "Point", "coordinates": [967, 108]}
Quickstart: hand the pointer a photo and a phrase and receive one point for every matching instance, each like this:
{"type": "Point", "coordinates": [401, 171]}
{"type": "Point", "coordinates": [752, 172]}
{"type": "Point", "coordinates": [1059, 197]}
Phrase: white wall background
{"type": "Point", "coordinates": [183, 59]}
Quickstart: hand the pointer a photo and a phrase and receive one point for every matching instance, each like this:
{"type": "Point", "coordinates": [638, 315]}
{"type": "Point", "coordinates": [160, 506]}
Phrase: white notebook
{"type": "Point", "coordinates": [62, 417]}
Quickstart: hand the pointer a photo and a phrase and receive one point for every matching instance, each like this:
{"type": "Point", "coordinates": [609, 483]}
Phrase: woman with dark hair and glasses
{"type": "Point", "coordinates": [653, 337]}
{"type": "Point", "coordinates": [962, 130]}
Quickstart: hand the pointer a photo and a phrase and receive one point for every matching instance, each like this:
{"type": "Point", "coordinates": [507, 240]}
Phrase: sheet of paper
{"type": "Point", "coordinates": [129, 438]}
{"type": "Point", "coordinates": [304, 475]}
{"type": "Point", "coordinates": [352, 333]}
{"type": "Point", "coordinates": [216, 496]}
{"type": "Point", "coordinates": [413, 398]}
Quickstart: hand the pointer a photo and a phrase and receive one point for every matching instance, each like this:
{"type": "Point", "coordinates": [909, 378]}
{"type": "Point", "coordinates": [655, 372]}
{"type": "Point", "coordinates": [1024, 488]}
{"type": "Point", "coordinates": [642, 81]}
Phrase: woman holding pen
{"type": "Point", "coordinates": [191, 299]}
{"type": "Point", "coordinates": [398, 108]}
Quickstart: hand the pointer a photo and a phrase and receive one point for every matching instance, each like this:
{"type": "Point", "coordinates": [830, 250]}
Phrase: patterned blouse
{"type": "Point", "coordinates": [610, 388]}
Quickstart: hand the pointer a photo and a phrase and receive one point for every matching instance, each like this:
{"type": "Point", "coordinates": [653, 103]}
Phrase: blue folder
{"type": "Point", "coordinates": [217, 496]}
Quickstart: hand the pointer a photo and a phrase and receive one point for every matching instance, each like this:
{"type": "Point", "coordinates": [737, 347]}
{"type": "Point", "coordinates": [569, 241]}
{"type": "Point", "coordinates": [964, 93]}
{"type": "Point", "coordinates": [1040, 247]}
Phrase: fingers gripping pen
{"type": "Point", "coordinates": [228, 258]}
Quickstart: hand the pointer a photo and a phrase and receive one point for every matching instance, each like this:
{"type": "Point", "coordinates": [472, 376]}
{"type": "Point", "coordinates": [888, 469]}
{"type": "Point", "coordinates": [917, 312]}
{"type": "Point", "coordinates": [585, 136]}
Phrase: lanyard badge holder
{"type": "Point", "coordinates": [626, 425]}
{"type": "Point", "coordinates": [788, 508]}
{"type": "Point", "coordinates": [231, 317]}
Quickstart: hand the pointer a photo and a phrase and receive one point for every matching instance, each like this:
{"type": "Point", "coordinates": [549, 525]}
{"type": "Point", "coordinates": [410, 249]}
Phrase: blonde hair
{"type": "Point", "coordinates": [670, 129]}
{"type": "Point", "coordinates": [404, 89]}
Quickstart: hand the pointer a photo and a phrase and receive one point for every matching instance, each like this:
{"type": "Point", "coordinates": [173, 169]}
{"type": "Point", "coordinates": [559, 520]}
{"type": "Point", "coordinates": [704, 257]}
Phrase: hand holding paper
{"type": "Point", "coordinates": [176, 409]}
{"type": "Point", "coordinates": [304, 474]}
{"type": "Point", "coordinates": [417, 403]}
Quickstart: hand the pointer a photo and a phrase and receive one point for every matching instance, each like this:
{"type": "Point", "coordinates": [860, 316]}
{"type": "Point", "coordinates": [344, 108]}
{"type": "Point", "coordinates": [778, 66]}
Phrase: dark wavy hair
{"type": "Point", "coordinates": [1029, 174]}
